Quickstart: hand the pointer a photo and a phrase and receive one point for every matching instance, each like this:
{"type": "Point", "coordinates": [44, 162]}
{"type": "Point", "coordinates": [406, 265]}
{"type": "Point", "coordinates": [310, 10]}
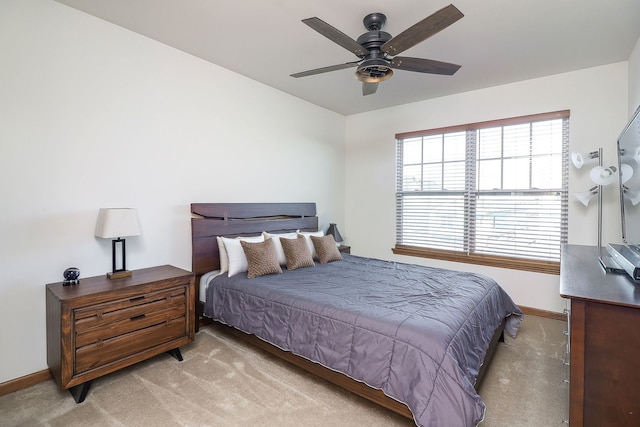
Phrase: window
{"type": "Point", "coordinates": [492, 193]}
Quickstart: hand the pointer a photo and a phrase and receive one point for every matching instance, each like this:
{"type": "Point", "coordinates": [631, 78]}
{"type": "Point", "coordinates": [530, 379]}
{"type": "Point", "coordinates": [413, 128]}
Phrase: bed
{"type": "Point", "coordinates": [397, 334]}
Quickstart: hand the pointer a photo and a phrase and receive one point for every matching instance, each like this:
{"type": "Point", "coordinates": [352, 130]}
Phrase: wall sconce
{"type": "Point", "coordinates": [333, 230]}
{"type": "Point", "coordinates": [116, 223]}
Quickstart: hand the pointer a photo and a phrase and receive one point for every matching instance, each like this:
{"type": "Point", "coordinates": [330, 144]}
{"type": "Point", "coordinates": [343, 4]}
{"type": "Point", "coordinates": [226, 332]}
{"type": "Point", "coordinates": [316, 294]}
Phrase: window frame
{"type": "Point", "coordinates": [500, 261]}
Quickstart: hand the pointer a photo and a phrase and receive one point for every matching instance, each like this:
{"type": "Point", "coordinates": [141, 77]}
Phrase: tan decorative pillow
{"type": "Point", "coordinates": [261, 258]}
{"type": "Point", "coordinates": [297, 253]}
{"type": "Point", "coordinates": [326, 249]}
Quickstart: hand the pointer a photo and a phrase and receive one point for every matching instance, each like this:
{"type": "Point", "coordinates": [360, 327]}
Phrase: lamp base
{"type": "Point", "coordinates": [119, 274]}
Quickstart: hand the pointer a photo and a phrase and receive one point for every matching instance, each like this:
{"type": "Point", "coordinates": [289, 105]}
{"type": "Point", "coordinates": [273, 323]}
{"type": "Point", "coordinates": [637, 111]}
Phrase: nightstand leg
{"type": "Point", "coordinates": [176, 353]}
{"type": "Point", "coordinates": [80, 391]}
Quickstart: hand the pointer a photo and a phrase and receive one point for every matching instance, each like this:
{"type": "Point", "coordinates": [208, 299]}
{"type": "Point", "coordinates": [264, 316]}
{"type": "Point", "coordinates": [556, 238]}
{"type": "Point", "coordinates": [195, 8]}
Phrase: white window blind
{"type": "Point", "coordinates": [497, 188]}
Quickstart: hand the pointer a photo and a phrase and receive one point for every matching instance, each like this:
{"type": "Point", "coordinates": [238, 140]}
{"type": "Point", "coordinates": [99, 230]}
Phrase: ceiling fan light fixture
{"type": "Point", "coordinates": [374, 70]}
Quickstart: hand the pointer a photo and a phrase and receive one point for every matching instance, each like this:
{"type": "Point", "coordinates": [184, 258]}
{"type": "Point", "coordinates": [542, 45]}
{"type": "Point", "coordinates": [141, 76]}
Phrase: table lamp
{"type": "Point", "coordinates": [333, 230]}
{"type": "Point", "coordinates": [116, 223]}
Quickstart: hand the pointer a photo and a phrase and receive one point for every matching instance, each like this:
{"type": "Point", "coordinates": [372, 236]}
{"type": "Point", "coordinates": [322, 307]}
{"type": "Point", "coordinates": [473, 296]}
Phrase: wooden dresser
{"type": "Point", "coordinates": [101, 325]}
{"type": "Point", "coordinates": [604, 341]}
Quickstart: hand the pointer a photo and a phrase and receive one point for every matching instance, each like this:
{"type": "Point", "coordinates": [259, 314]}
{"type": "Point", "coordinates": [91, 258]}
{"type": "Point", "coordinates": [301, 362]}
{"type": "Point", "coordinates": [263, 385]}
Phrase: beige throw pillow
{"type": "Point", "coordinates": [261, 258]}
{"type": "Point", "coordinates": [297, 253]}
{"type": "Point", "coordinates": [326, 249]}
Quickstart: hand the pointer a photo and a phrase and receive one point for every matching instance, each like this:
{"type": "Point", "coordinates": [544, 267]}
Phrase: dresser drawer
{"type": "Point", "coordinates": [117, 348]}
{"type": "Point", "coordinates": [123, 310]}
{"type": "Point", "coordinates": [130, 324]}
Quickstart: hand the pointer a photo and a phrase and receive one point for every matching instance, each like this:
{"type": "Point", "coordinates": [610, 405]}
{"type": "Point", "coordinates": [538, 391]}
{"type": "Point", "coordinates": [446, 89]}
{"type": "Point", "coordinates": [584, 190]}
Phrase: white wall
{"type": "Point", "coordinates": [93, 116]}
{"type": "Point", "coordinates": [597, 98]}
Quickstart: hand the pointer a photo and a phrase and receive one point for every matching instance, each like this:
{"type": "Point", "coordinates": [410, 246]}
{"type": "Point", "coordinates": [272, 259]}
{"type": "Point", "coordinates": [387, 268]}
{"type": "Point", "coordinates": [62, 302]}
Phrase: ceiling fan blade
{"type": "Point", "coordinates": [424, 65]}
{"type": "Point", "coordinates": [369, 88]}
{"type": "Point", "coordinates": [325, 69]}
{"type": "Point", "coordinates": [422, 30]}
{"type": "Point", "coordinates": [336, 36]}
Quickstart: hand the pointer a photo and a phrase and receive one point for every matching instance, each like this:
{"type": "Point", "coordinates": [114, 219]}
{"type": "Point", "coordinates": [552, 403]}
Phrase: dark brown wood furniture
{"type": "Point", "coordinates": [101, 325]}
{"type": "Point", "coordinates": [344, 249]}
{"type": "Point", "coordinates": [244, 219]}
{"type": "Point", "coordinates": [604, 338]}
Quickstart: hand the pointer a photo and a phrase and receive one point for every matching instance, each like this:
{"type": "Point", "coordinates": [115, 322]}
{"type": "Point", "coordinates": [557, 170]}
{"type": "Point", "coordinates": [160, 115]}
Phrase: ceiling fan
{"type": "Point", "coordinates": [377, 49]}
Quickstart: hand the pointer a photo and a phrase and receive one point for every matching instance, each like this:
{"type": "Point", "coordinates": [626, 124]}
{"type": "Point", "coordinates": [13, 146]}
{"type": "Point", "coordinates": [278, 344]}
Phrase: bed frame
{"type": "Point", "coordinates": [246, 219]}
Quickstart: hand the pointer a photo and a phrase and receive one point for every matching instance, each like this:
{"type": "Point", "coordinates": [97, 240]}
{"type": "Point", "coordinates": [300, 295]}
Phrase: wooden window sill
{"type": "Point", "coordinates": [536, 266]}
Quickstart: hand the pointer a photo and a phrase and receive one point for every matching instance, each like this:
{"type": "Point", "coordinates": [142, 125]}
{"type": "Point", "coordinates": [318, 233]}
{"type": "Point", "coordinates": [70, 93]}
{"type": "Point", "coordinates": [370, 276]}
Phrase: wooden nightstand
{"type": "Point", "coordinates": [101, 325]}
{"type": "Point", "coordinates": [344, 249]}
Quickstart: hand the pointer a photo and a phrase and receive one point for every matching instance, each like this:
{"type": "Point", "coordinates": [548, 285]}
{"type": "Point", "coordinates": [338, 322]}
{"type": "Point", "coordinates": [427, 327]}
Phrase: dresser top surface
{"type": "Point", "coordinates": [100, 284]}
{"type": "Point", "coordinates": [582, 277]}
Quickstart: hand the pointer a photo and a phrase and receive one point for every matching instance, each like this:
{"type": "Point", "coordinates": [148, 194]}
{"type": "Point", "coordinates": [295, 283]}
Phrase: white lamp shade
{"type": "Point", "coordinates": [626, 172]}
{"type": "Point", "coordinates": [580, 159]}
{"type": "Point", "coordinates": [585, 197]}
{"type": "Point", "coordinates": [603, 176]}
{"type": "Point", "coordinates": [333, 230]}
{"type": "Point", "coordinates": [632, 195]}
{"type": "Point", "coordinates": [631, 155]}
{"type": "Point", "coordinates": [117, 222]}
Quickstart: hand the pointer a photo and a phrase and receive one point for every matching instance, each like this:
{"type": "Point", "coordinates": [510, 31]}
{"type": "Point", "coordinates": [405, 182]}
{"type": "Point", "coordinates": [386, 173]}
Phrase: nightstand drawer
{"type": "Point", "coordinates": [119, 347]}
{"type": "Point", "coordinates": [130, 324]}
{"type": "Point", "coordinates": [102, 315]}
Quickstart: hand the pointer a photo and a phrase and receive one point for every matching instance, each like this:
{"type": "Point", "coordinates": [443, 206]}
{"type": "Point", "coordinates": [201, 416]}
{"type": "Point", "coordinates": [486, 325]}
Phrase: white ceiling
{"type": "Point", "coordinates": [497, 41]}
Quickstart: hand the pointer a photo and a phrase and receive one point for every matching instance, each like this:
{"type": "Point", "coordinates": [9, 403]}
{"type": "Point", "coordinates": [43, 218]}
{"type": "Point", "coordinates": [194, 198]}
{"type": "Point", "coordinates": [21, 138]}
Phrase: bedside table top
{"type": "Point", "coordinates": [98, 284]}
{"type": "Point", "coordinates": [344, 248]}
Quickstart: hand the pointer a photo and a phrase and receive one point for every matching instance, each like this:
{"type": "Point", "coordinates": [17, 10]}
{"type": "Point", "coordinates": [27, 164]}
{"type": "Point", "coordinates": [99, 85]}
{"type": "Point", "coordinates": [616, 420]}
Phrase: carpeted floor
{"type": "Point", "coordinates": [226, 382]}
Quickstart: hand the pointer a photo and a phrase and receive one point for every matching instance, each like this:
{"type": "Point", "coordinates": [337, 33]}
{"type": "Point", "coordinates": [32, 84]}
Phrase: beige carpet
{"type": "Point", "coordinates": [225, 382]}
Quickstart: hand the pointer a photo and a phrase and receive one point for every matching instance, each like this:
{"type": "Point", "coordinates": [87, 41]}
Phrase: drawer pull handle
{"type": "Point", "coordinates": [136, 298]}
{"type": "Point", "coordinates": [141, 316]}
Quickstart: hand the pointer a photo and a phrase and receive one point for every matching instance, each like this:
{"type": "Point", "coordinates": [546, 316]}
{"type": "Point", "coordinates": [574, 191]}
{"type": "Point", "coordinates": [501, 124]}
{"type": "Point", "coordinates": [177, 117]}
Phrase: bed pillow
{"type": "Point", "coordinates": [297, 253]}
{"type": "Point", "coordinates": [224, 258]}
{"type": "Point", "coordinates": [326, 248]}
{"type": "Point", "coordinates": [237, 259]}
{"type": "Point", "coordinates": [276, 242]}
{"type": "Point", "coordinates": [307, 235]}
{"type": "Point", "coordinates": [261, 258]}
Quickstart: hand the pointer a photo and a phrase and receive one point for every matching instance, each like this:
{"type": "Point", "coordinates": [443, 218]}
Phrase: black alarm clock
{"type": "Point", "coordinates": [71, 276]}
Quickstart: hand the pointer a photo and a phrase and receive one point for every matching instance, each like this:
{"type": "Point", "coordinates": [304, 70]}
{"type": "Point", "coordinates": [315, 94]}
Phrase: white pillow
{"type": "Point", "coordinates": [237, 259]}
{"type": "Point", "coordinates": [224, 258]}
{"type": "Point", "coordinates": [282, 260]}
{"type": "Point", "coordinates": [307, 237]}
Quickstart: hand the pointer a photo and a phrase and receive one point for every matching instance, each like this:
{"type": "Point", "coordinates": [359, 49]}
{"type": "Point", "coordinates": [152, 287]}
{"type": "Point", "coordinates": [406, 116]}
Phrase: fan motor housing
{"type": "Point", "coordinates": [372, 40]}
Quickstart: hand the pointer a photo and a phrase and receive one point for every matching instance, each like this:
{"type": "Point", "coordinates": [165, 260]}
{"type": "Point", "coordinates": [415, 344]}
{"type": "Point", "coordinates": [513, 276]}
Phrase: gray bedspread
{"type": "Point", "coordinates": [419, 334]}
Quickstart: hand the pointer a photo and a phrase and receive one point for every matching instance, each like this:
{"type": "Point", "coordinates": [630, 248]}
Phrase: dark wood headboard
{"type": "Point", "coordinates": [242, 219]}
